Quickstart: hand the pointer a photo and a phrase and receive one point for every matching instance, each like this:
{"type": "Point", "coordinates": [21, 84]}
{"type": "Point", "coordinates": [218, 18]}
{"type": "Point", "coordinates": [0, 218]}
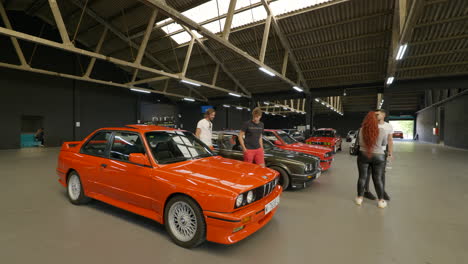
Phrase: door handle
{"type": "Point", "coordinates": [104, 165]}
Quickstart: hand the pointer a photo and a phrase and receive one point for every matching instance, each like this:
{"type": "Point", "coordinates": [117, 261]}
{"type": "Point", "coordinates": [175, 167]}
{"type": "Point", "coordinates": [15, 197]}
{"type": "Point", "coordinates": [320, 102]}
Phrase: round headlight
{"type": "Point", "coordinates": [239, 200]}
{"type": "Point", "coordinates": [250, 197]}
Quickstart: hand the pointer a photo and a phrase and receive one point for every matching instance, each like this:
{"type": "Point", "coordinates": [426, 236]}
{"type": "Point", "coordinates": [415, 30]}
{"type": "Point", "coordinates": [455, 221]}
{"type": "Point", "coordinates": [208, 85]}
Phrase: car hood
{"type": "Point", "coordinates": [309, 149]}
{"type": "Point", "coordinates": [323, 139]}
{"type": "Point", "coordinates": [228, 174]}
{"type": "Point", "coordinates": [291, 154]}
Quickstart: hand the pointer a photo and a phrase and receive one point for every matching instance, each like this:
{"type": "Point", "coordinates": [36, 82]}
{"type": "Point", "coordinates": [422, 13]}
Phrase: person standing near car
{"type": "Point", "coordinates": [205, 128]}
{"type": "Point", "coordinates": [252, 144]}
{"type": "Point", "coordinates": [371, 154]}
{"type": "Point", "coordinates": [39, 136]}
{"type": "Point", "coordinates": [388, 149]}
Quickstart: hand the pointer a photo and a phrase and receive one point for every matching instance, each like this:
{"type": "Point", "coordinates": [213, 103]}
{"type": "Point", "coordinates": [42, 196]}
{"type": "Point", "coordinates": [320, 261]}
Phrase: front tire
{"type": "Point", "coordinates": [185, 222]}
{"type": "Point", "coordinates": [75, 190]}
{"type": "Point", "coordinates": [284, 180]}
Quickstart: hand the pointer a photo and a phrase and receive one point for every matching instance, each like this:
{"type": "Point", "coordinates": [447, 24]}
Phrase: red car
{"type": "Point", "coordinates": [326, 137]}
{"type": "Point", "coordinates": [284, 141]}
{"type": "Point", "coordinates": [398, 134]}
{"type": "Point", "coordinates": [170, 176]}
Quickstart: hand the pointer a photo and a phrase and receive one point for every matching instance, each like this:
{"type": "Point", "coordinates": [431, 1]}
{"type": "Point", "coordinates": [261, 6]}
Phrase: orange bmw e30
{"type": "Point", "coordinates": [170, 176]}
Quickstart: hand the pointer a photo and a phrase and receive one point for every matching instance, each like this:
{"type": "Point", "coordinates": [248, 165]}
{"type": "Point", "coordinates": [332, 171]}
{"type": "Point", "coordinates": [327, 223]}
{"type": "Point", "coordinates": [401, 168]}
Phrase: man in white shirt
{"type": "Point", "coordinates": [388, 148]}
{"type": "Point", "coordinates": [205, 128]}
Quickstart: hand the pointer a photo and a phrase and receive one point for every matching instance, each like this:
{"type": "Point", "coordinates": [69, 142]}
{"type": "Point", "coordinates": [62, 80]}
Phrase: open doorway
{"type": "Point", "coordinates": [29, 127]}
{"type": "Point", "coordinates": [406, 127]}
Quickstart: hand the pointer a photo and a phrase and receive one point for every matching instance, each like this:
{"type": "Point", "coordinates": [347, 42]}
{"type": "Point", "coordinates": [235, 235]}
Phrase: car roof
{"type": "Point", "coordinates": [141, 128]}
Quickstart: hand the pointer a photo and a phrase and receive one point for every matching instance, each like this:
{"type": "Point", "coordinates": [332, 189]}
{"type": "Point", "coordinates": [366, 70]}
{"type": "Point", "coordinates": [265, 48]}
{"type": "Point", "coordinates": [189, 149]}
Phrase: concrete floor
{"type": "Point", "coordinates": [426, 221]}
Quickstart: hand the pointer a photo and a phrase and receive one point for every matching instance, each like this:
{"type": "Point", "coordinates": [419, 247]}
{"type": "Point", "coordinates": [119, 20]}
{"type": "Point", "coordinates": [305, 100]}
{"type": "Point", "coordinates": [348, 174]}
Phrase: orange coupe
{"type": "Point", "coordinates": [173, 178]}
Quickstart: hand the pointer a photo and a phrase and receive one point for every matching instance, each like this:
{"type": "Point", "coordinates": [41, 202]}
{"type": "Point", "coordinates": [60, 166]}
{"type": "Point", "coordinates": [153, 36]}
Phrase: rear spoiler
{"type": "Point", "coordinates": [70, 145]}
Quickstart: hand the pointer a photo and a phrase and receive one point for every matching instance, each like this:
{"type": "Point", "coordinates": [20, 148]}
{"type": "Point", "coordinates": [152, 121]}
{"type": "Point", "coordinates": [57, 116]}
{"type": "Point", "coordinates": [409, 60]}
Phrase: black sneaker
{"type": "Point", "coordinates": [369, 196]}
{"type": "Point", "coordinates": [386, 197]}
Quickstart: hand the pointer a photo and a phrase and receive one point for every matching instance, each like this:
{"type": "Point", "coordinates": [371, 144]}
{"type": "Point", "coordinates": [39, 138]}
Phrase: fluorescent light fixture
{"type": "Point", "coordinates": [298, 89]}
{"type": "Point", "coordinates": [266, 71]}
{"type": "Point", "coordinates": [344, 92]}
{"type": "Point", "coordinates": [401, 52]}
{"type": "Point", "coordinates": [189, 99]}
{"type": "Point", "coordinates": [239, 108]}
{"type": "Point", "coordinates": [390, 80]}
{"type": "Point", "coordinates": [234, 94]}
{"type": "Point", "coordinates": [227, 106]}
{"type": "Point", "coordinates": [317, 100]}
{"type": "Point", "coordinates": [323, 103]}
{"type": "Point", "coordinates": [140, 90]}
{"type": "Point", "coordinates": [285, 108]}
{"type": "Point", "coordinates": [191, 83]}
{"type": "Point", "coordinates": [267, 113]}
{"type": "Point", "coordinates": [248, 109]}
{"type": "Point", "coordinates": [266, 103]}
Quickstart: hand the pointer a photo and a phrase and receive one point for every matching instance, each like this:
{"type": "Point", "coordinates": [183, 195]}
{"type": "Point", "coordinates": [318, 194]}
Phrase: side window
{"type": "Point", "coordinates": [124, 144]}
{"type": "Point", "coordinates": [97, 145]}
{"type": "Point", "coordinates": [214, 141]}
{"type": "Point", "coordinates": [270, 135]}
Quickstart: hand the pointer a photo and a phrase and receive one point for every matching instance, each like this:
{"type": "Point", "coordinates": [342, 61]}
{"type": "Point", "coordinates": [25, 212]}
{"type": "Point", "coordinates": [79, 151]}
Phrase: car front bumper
{"type": "Point", "coordinates": [325, 164]}
{"type": "Point", "coordinates": [220, 226]}
{"type": "Point", "coordinates": [304, 180]}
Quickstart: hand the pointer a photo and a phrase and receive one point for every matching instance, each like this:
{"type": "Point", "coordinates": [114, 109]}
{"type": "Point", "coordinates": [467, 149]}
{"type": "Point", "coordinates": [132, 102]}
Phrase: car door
{"type": "Point", "coordinates": [93, 156]}
{"type": "Point", "coordinates": [128, 182]}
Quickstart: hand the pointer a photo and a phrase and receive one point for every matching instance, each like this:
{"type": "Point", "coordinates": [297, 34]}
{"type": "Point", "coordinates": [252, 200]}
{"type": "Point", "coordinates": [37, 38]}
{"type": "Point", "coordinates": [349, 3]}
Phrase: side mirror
{"type": "Point", "coordinates": [139, 158]}
{"type": "Point", "coordinates": [277, 142]}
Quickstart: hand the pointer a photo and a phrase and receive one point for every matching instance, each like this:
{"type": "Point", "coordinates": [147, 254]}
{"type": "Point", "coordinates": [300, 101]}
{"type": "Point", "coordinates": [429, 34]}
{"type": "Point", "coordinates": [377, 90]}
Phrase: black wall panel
{"type": "Point", "coordinates": [456, 123]}
{"type": "Point", "coordinates": [424, 123]}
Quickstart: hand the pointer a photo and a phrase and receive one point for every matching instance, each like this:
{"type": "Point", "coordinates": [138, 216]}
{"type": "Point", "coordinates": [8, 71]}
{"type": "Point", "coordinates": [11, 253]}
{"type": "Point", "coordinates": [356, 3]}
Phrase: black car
{"type": "Point", "coordinates": [297, 169]}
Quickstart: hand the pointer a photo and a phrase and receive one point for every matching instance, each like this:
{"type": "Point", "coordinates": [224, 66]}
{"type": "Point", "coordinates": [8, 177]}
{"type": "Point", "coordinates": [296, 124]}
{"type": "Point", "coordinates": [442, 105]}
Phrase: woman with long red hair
{"type": "Point", "coordinates": [371, 154]}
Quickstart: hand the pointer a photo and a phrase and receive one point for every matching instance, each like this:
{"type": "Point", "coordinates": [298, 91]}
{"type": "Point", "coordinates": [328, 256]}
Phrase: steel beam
{"type": "Point", "coordinates": [150, 80]}
{"type": "Point", "coordinates": [183, 20]}
{"type": "Point", "coordinates": [285, 43]}
{"type": "Point", "coordinates": [97, 50]}
{"type": "Point", "coordinates": [187, 57]}
{"type": "Point", "coordinates": [59, 22]}
{"type": "Point", "coordinates": [215, 75]}
{"type": "Point", "coordinates": [14, 41]}
{"type": "Point", "coordinates": [228, 22]}
{"type": "Point", "coordinates": [285, 63]}
{"type": "Point", "coordinates": [121, 36]}
{"type": "Point", "coordinates": [219, 64]}
{"type": "Point", "coordinates": [266, 32]}
{"type": "Point", "coordinates": [144, 42]}
{"type": "Point", "coordinates": [251, 25]}
{"type": "Point", "coordinates": [81, 78]}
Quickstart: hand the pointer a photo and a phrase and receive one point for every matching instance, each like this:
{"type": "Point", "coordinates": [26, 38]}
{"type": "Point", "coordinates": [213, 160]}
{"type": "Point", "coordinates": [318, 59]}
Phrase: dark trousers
{"type": "Point", "coordinates": [366, 189]}
{"type": "Point", "coordinates": [377, 164]}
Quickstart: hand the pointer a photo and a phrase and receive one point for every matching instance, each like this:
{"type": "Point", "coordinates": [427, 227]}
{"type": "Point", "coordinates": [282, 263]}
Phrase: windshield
{"type": "Point", "coordinates": [286, 138]}
{"type": "Point", "coordinates": [324, 133]}
{"type": "Point", "coordinates": [175, 146]}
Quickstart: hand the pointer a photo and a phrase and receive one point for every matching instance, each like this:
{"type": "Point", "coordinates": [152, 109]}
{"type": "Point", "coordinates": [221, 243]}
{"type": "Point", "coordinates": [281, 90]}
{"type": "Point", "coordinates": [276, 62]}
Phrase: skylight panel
{"type": "Point", "coordinates": [215, 8]}
{"type": "Point", "coordinates": [249, 16]}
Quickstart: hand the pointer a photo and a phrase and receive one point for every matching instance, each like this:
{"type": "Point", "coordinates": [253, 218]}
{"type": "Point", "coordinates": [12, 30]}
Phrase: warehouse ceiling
{"type": "Point", "coordinates": [330, 43]}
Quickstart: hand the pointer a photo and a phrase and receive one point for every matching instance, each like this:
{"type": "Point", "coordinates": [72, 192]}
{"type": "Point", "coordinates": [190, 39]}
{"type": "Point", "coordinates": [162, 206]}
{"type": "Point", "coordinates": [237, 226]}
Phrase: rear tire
{"type": "Point", "coordinates": [185, 222]}
{"type": "Point", "coordinates": [284, 180]}
{"type": "Point", "coordinates": [75, 191]}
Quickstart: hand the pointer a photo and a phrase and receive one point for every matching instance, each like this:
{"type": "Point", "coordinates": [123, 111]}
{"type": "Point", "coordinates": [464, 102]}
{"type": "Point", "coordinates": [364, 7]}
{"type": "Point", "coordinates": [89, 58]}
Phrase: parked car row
{"type": "Point", "coordinates": [327, 137]}
{"type": "Point", "coordinates": [172, 177]}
